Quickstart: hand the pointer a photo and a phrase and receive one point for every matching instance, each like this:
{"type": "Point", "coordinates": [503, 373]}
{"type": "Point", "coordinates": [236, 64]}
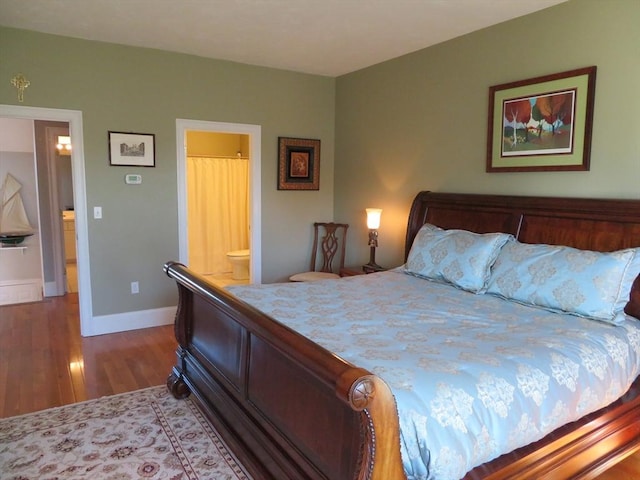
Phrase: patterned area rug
{"type": "Point", "coordinates": [136, 435]}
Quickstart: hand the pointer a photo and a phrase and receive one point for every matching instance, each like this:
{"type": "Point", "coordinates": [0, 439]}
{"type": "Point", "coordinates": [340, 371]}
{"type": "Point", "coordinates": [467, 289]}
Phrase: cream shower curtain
{"type": "Point", "coordinates": [218, 211]}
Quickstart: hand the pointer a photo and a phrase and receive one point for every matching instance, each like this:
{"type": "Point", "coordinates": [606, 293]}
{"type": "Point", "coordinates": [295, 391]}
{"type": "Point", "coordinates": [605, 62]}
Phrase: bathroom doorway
{"type": "Point", "coordinates": [218, 206]}
{"type": "Point", "coordinates": [219, 200]}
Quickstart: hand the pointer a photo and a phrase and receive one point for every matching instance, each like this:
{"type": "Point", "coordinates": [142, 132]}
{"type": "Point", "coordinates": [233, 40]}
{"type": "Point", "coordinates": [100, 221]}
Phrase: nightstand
{"type": "Point", "coordinates": [351, 271]}
{"type": "Point", "coordinates": [372, 268]}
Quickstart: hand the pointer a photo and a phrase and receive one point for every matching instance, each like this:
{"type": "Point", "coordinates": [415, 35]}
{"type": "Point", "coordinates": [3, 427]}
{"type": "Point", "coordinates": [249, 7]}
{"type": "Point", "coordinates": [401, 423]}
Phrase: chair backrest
{"type": "Point", "coordinates": [329, 243]}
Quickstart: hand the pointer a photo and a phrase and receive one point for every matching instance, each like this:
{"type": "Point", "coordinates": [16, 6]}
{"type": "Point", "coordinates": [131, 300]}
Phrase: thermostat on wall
{"type": "Point", "coordinates": [133, 179]}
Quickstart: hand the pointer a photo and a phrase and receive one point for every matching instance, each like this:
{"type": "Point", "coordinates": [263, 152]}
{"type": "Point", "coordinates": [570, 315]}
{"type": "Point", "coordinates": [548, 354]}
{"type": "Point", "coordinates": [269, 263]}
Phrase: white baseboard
{"type": "Point", "coordinates": [122, 322]}
{"type": "Point", "coordinates": [20, 291]}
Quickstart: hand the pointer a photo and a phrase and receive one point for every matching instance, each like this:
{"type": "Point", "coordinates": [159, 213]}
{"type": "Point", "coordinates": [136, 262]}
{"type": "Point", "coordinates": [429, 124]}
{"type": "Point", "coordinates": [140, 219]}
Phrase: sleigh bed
{"type": "Point", "coordinates": [292, 409]}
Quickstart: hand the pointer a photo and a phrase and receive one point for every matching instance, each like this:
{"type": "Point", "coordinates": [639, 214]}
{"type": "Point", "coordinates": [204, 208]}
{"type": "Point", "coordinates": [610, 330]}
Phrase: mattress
{"type": "Point", "coordinates": [474, 376]}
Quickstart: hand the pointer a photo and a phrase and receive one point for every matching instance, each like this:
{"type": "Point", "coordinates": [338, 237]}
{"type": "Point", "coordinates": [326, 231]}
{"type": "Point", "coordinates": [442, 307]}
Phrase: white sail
{"type": "Point", "coordinates": [13, 217]}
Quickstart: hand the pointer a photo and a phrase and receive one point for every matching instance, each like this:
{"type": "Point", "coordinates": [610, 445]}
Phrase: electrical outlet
{"type": "Point", "coordinates": [135, 287]}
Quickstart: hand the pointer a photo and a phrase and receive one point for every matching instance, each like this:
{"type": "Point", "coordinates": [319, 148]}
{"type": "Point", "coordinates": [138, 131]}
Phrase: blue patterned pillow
{"type": "Point", "coordinates": [458, 257]}
{"type": "Point", "coordinates": [580, 282]}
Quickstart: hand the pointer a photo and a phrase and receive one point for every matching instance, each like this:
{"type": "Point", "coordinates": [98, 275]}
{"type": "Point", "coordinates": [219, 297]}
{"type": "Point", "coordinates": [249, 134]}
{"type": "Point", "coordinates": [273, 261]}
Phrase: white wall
{"type": "Point", "coordinates": [20, 269]}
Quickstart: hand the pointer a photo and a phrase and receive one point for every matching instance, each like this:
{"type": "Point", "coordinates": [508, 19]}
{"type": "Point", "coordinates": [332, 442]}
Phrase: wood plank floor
{"type": "Point", "coordinates": [44, 362]}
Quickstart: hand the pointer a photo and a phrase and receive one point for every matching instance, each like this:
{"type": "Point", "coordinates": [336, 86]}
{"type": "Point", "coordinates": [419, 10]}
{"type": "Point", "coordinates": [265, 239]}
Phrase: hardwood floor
{"type": "Point", "coordinates": [44, 362]}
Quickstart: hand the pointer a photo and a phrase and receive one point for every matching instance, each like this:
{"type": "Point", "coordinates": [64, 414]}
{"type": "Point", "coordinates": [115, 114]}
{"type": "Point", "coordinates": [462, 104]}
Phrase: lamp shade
{"type": "Point", "coordinates": [373, 218]}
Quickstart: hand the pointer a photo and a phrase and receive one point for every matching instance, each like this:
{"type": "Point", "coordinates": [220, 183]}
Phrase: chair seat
{"type": "Point", "coordinates": [311, 276]}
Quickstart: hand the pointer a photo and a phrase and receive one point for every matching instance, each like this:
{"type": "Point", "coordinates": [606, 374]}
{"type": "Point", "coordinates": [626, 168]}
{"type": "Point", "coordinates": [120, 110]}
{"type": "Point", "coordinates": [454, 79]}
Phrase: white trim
{"type": "Point", "coordinates": [122, 322]}
{"type": "Point", "coordinates": [20, 281]}
{"type": "Point", "coordinates": [255, 195]}
{"type": "Point", "coordinates": [20, 291]}
{"type": "Point", "coordinates": [74, 118]}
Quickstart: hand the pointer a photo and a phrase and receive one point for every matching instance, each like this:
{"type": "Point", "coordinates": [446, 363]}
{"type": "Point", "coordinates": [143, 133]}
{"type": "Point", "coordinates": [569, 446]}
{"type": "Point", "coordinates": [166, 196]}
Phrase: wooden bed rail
{"type": "Point", "coordinates": [248, 392]}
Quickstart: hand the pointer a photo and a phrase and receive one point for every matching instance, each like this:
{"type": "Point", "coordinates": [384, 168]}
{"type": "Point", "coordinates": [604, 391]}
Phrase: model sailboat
{"type": "Point", "coordinates": [14, 224]}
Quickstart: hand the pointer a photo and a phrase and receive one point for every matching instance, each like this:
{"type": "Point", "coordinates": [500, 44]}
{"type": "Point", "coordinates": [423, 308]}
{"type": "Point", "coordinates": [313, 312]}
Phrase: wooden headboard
{"type": "Point", "coordinates": [591, 224]}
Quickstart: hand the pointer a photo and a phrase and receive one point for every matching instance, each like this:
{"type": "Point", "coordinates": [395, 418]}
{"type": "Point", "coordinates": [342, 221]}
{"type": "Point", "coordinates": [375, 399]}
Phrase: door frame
{"type": "Point", "coordinates": [74, 119]}
{"type": "Point", "coordinates": [255, 184]}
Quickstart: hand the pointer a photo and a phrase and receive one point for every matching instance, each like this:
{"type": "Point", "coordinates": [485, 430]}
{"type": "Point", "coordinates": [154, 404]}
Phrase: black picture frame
{"type": "Point", "coordinates": [128, 149]}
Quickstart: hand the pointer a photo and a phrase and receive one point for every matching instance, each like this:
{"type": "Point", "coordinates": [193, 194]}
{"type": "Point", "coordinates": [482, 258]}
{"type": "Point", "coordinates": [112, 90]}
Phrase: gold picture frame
{"type": "Point", "coordinates": [298, 164]}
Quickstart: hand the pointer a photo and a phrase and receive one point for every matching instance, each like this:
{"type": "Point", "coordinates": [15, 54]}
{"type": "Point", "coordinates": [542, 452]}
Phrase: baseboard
{"type": "Point", "coordinates": [20, 291]}
{"type": "Point", "coordinates": [122, 322]}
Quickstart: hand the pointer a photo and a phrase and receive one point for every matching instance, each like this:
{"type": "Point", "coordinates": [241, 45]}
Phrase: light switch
{"type": "Point", "coordinates": [97, 212]}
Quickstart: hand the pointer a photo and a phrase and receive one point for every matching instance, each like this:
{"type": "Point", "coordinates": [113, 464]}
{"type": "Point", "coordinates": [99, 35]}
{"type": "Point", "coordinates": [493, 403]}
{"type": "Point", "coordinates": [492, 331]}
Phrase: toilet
{"type": "Point", "coordinates": [240, 262]}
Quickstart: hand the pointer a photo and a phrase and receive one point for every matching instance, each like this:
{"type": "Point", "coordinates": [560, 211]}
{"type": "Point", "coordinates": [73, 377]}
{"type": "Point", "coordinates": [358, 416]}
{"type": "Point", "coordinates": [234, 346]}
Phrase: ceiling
{"type": "Point", "coordinates": [324, 37]}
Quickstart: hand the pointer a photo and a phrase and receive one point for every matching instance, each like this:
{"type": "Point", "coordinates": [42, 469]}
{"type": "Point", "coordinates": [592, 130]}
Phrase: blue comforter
{"type": "Point", "coordinates": [474, 376]}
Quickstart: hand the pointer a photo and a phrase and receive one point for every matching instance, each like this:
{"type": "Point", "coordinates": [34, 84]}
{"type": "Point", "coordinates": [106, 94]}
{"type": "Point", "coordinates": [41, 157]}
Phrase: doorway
{"type": "Point", "coordinates": [74, 119]}
{"type": "Point", "coordinates": [57, 213]}
{"type": "Point", "coordinates": [183, 128]}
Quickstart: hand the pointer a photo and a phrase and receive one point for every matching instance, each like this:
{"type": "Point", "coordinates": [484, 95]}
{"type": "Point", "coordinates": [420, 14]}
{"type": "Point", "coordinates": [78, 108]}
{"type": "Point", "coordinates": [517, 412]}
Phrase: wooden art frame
{"type": "Point", "coordinates": [132, 149]}
{"type": "Point", "coordinates": [542, 123]}
{"type": "Point", "coordinates": [298, 164]}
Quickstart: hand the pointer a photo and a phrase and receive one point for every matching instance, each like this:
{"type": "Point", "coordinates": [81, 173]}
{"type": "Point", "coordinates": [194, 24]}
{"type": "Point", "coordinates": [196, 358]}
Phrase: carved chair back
{"type": "Point", "coordinates": [329, 243]}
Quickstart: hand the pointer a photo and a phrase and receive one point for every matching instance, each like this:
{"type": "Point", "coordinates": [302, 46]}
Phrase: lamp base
{"type": "Point", "coordinates": [372, 266]}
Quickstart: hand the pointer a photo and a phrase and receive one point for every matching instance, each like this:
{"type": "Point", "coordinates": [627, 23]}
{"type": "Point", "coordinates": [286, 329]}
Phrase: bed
{"type": "Point", "coordinates": [292, 409]}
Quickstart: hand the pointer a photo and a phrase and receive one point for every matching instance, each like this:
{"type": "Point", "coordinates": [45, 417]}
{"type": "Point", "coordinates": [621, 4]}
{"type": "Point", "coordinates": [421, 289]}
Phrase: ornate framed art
{"type": "Point", "coordinates": [298, 164]}
{"type": "Point", "coordinates": [542, 123]}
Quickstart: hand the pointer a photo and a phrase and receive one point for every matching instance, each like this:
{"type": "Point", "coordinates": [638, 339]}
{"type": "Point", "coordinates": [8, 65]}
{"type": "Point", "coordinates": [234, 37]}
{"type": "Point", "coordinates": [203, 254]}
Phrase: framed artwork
{"type": "Point", "coordinates": [298, 164]}
{"type": "Point", "coordinates": [542, 123]}
{"type": "Point", "coordinates": [132, 149]}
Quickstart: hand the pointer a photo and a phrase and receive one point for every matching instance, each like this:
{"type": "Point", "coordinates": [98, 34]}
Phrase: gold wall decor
{"type": "Point", "coordinates": [20, 82]}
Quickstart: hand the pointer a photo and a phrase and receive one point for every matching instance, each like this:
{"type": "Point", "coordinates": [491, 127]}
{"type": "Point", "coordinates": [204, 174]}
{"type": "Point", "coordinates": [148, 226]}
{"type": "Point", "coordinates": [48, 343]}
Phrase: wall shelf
{"type": "Point", "coordinates": [13, 247]}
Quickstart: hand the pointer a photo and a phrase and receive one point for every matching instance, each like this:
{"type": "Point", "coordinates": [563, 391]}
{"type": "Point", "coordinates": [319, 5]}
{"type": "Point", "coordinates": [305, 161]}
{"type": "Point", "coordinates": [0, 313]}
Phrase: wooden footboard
{"type": "Point", "coordinates": [288, 408]}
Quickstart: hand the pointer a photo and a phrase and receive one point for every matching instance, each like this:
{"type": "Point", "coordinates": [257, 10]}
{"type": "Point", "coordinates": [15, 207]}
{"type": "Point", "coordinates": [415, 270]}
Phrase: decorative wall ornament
{"type": "Point", "coordinates": [21, 83]}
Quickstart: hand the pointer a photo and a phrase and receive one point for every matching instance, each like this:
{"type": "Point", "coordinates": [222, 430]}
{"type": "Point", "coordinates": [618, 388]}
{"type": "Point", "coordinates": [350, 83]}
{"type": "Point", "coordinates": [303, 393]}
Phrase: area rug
{"type": "Point", "coordinates": [136, 435]}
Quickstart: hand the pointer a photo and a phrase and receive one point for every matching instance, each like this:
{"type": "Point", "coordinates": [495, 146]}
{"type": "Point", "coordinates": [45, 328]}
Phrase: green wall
{"type": "Point", "coordinates": [413, 123]}
{"type": "Point", "coordinates": [419, 122]}
{"type": "Point", "coordinates": [145, 90]}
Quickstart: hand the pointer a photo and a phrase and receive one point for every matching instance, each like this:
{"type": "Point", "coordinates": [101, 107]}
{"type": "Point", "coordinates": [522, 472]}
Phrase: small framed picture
{"type": "Point", "coordinates": [132, 149]}
{"type": "Point", "coordinates": [298, 164]}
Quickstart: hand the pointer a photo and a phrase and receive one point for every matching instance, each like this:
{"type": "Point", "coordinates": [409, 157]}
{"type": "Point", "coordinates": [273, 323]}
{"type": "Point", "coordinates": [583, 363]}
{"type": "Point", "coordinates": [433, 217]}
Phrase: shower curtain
{"type": "Point", "coordinates": [218, 211]}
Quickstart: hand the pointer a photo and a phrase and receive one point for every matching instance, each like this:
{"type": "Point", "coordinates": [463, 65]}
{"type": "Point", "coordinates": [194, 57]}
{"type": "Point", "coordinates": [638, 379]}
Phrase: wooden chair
{"type": "Point", "coordinates": [327, 254]}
